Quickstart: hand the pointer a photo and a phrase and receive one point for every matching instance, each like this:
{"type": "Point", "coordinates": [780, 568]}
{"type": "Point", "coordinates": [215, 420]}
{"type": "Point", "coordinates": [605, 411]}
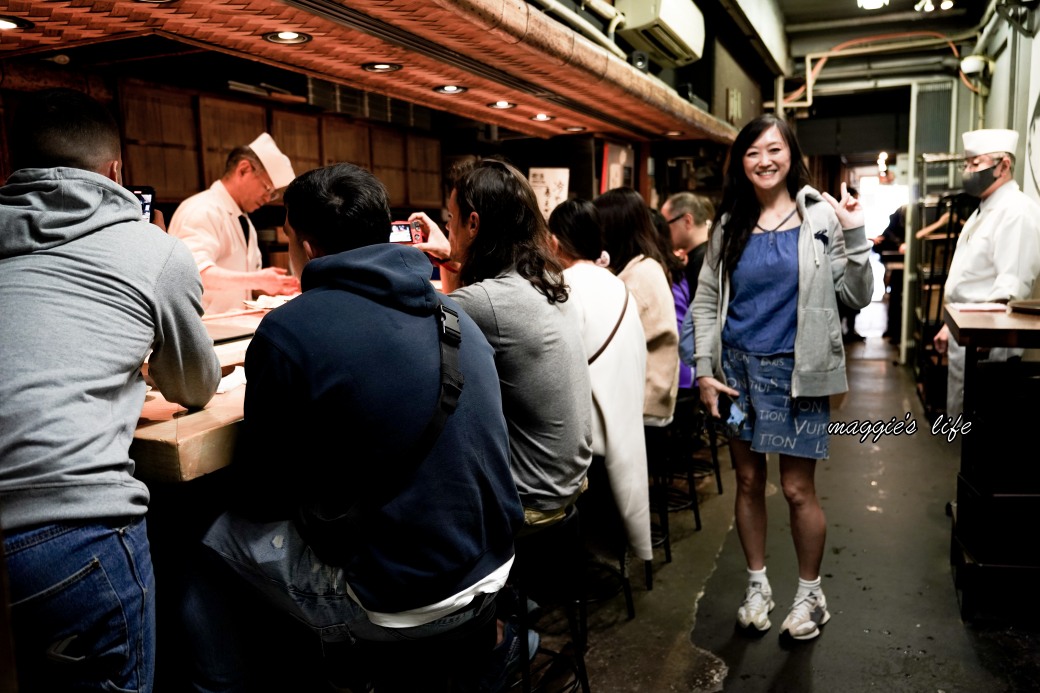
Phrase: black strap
{"type": "Point", "coordinates": [243, 221]}
{"type": "Point", "coordinates": [450, 333]}
{"type": "Point", "coordinates": [613, 331]}
{"type": "Point", "coordinates": [333, 530]}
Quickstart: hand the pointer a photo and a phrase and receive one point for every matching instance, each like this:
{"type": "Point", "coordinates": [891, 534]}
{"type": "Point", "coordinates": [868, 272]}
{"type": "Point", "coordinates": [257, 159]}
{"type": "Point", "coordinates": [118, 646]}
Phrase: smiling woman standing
{"type": "Point", "coordinates": [768, 334]}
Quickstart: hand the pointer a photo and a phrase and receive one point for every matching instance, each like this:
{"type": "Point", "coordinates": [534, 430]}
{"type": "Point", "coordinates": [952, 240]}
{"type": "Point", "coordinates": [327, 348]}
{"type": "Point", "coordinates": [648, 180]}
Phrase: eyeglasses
{"type": "Point", "coordinates": [672, 221]}
{"type": "Point", "coordinates": [982, 162]}
{"type": "Point", "coordinates": [265, 180]}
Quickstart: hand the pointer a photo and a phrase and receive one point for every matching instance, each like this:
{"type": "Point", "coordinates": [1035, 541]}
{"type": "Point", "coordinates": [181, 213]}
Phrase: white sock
{"type": "Point", "coordinates": [807, 586]}
{"type": "Point", "coordinates": [758, 576]}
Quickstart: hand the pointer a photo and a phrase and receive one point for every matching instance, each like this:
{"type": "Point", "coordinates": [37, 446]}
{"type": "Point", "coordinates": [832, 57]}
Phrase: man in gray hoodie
{"type": "Point", "coordinates": [88, 292]}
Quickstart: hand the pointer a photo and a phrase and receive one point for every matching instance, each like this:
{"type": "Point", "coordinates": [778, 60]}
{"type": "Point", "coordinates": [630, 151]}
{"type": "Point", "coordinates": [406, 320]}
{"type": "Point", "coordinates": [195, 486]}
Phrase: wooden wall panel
{"type": "Point", "coordinates": [224, 126]}
{"type": "Point", "coordinates": [389, 163]}
{"type": "Point", "coordinates": [424, 172]}
{"type": "Point", "coordinates": [344, 141]}
{"type": "Point", "coordinates": [297, 135]}
{"type": "Point", "coordinates": [160, 141]}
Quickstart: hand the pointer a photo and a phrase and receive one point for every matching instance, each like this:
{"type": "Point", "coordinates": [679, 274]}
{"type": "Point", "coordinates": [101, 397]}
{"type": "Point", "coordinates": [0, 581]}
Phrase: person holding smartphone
{"type": "Point", "coordinates": [767, 333]}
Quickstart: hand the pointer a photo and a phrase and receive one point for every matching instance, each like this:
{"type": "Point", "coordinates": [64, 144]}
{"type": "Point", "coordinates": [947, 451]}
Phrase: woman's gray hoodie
{"type": "Point", "coordinates": [832, 264]}
{"type": "Point", "coordinates": [86, 291]}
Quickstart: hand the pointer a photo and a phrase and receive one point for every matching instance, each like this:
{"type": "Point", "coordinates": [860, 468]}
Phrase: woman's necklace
{"type": "Point", "coordinates": [782, 222]}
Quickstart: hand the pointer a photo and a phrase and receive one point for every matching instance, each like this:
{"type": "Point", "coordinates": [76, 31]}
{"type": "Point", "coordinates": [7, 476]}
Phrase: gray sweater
{"type": "Point", "coordinates": [546, 391]}
{"type": "Point", "coordinates": [832, 263]}
{"type": "Point", "coordinates": [86, 290]}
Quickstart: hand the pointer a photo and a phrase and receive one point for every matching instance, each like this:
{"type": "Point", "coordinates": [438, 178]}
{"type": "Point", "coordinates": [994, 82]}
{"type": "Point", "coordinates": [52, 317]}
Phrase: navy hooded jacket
{"type": "Point", "coordinates": [341, 381]}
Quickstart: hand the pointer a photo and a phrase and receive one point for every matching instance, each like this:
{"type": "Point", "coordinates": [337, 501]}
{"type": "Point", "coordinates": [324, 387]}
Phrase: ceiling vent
{"type": "Point", "coordinates": [671, 31]}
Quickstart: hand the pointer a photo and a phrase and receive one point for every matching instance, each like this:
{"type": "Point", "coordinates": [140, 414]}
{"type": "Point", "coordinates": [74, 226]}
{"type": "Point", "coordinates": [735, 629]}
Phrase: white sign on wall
{"type": "Point", "coordinates": [550, 187]}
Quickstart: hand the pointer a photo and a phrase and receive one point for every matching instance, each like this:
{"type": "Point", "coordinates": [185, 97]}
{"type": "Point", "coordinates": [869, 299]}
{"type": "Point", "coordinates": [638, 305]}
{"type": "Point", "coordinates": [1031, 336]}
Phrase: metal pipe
{"type": "Point", "coordinates": [602, 8]}
{"type": "Point", "coordinates": [581, 24]}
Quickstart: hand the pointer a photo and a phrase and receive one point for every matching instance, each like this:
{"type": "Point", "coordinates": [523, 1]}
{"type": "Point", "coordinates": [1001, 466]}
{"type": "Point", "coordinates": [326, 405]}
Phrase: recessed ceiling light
{"type": "Point", "coordinates": [575, 128]}
{"type": "Point", "coordinates": [946, 5]}
{"type": "Point", "coordinates": [501, 104]}
{"type": "Point", "coordinates": [871, 4]}
{"type": "Point", "coordinates": [287, 37]}
{"type": "Point", "coordinates": [8, 22]}
{"type": "Point", "coordinates": [449, 89]}
{"type": "Point", "coordinates": [542, 117]}
{"type": "Point", "coordinates": [381, 67]}
{"type": "Point", "coordinates": [673, 133]}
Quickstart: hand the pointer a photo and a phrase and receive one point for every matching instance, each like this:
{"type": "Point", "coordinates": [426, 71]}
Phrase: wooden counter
{"type": "Point", "coordinates": [993, 329]}
{"type": "Point", "coordinates": [998, 488]}
{"type": "Point", "coordinates": [172, 444]}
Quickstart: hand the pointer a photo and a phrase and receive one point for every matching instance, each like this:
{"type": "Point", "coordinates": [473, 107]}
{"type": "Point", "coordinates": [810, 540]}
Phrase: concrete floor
{"type": "Point", "coordinates": [896, 623]}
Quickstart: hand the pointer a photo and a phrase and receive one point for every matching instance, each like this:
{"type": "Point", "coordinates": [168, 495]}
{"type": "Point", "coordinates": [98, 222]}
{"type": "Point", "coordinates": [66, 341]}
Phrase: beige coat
{"type": "Point", "coordinates": [647, 281]}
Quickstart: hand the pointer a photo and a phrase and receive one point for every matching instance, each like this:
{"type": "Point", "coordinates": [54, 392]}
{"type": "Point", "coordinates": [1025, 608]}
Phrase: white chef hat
{"type": "Point", "coordinates": [277, 164]}
{"type": "Point", "coordinates": [979, 142]}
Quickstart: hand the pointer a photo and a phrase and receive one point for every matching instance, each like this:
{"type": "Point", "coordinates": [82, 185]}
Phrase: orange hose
{"type": "Point", "coordinates": [870, 39]}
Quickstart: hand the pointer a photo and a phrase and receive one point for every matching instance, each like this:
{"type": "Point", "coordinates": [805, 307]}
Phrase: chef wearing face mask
{"type": "Point", "coordinates": [998, 252]}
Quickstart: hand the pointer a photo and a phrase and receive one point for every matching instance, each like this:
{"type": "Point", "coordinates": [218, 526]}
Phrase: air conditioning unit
{"type": "Point", "coordinates": [671, 31]}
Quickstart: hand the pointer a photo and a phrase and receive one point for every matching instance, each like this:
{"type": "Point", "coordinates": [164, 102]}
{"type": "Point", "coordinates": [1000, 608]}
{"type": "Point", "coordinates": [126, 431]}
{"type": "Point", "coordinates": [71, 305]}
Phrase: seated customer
{"type": "Point", "coordinates": [350, 518]}
{"type": "Point", "coordinates": [88, 292]}
{"type": "Point", "coordinates": [616, 349]}
{"type": "Point", "coordinates": [510, 282]}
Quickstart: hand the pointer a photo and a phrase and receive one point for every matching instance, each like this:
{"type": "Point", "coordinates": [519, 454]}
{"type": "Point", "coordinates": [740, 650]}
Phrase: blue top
{"type": "Point", "coordinates": [763, 307]}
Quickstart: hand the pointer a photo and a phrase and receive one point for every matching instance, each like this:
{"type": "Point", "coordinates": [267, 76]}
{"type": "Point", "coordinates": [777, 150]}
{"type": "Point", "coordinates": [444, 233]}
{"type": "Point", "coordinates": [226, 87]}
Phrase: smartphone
{"type": "Point", "coordinates": [731, 416]}
{"type": "Point", "coordinates": [406, 232]}
{"type": "Point", "coordinates": [146, 194]}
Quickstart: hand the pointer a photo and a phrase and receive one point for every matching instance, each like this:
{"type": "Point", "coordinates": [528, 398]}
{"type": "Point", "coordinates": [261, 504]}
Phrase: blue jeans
{"type": "Point", "coordinates": [82, 606]}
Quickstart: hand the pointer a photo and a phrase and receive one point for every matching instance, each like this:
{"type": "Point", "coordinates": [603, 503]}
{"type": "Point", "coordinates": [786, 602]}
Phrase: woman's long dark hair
{"type": "Point", "coordinates": [512, 229]}
{"type": "Point", "coordinates": [738, 193]}
{"type": "Point", "coordinates": [575, 223]}
{"type": "Point", "coordinates": [628, 230]}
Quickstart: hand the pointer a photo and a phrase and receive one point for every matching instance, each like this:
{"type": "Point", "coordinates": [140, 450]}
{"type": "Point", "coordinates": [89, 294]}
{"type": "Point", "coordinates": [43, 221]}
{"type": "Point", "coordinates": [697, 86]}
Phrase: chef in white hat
{"type": "Point", "coordinates": [998, 252]}
{"type": "Point", "coordinates": [216, 227]}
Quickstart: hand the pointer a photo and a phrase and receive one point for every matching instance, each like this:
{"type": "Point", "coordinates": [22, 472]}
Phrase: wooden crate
{"type": "Point", "coordinates": [298, 136]}
{"type": "Point", "coordinates": [224, 125]}
{"type": "Point", "coordinates": [389, 163]}
{"type": "Point", "coordinates": [345, 142]}
{"type": "Point", "coordinates": [161, 143]}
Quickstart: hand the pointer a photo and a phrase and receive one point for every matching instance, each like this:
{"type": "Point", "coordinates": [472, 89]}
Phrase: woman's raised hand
{"type": "Point", "coordinates": [848, 209]}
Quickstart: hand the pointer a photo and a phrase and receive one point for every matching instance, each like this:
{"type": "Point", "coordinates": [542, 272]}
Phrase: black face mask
{"type": "Point", "coordinates": [976, 182]}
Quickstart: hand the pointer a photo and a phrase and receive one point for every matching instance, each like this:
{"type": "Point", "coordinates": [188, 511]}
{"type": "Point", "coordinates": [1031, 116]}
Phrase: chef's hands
{"type": "Point", "coordinates": [276, 281]}
{"type": "Point", "coordinates": [710, 389]}
{"type": "Point", "coordinates": [848, 209]}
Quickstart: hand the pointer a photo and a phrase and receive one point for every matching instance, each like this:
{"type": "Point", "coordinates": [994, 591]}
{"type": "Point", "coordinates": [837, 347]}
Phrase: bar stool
{"type": "Point", "coordinates": [602, 524]}
{"type": "Point", "coordinates": [453, 662]}
{"type": "Point", "coordinates": [657, 454]}
{"type": "Point", "coordinates": [550, 569]}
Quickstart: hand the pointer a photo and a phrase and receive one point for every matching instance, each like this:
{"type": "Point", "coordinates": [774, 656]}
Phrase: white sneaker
{"type": "Point", "coordinates": [807, 615]}
{"type": "Point", "coordinates": [758, 602]}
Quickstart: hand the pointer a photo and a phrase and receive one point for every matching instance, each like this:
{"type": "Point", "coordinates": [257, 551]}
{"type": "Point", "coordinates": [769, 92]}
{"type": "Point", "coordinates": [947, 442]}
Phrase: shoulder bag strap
{"type": "Point", "coordinates": [613, 331]}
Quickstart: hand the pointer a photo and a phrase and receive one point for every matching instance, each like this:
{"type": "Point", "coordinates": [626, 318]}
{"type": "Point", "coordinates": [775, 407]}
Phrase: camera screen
{"type": "Point", "coordinates": [146, 206]}
{"type": "Point", "coordinates": [146, 194]}
{"type": "Point", "coordinates": [400, 232]}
